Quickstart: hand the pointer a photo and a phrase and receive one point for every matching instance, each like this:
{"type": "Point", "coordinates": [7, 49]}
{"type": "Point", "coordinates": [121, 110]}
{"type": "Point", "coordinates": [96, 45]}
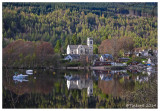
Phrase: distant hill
{"type": "Point", "coordinates": [96, 7]}
{"type": "Point", "coordinates": [71, 23]}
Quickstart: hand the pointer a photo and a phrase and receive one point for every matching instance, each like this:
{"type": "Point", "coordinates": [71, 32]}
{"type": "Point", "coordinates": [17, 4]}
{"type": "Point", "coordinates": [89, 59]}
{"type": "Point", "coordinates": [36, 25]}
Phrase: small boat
{"type": "Point", "coordinates": [20, 76]}
{"type": "Point", "coordinates": [29, 72]}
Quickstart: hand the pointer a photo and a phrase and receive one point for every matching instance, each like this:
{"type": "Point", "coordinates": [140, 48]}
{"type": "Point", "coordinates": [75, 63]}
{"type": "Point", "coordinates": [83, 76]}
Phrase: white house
{"type": "Point", "coordinates": [144, 53]}
{"type": "Point", "coordinates": [155, 52]}
{"type": "Point", "coordinates": [106, 57]}
{"type": "Point", "coordinates": [81, 49]}
{"type": "Point", "coordinates": [149, 61]}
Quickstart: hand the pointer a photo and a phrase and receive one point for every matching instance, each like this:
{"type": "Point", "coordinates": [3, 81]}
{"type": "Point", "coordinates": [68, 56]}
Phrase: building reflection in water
{"type": "Point", "coordinates": [108, 81]}
{"type": "Point", "coordinates": [76, 82]}
{"type": "Point", "coordinates": [108, 75]}
{"type": "Point", "coordinates": [142, 78]}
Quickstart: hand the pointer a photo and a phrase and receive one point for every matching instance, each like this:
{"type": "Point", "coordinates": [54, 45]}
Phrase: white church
{"type": "Point", "coordinates": [81, 49]}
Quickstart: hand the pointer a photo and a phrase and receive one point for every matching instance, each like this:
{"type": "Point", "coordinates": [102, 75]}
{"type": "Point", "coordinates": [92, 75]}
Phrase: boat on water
{"type": "Point", "coordinates": [29, 72]}
{"type": "Point", "coordinates": [19, 77]}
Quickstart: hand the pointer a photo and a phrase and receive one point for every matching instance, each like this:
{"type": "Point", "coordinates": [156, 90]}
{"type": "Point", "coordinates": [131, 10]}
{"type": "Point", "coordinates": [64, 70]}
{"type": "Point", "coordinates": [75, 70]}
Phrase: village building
{"type": "Point", "coordinates": [143, 52]}
{"type": "Point", "coordinates": [127, 54]}
{"type": "Point", "coordinates": [154, 60]}
{"type": "Point", "coordinates": [92, 58]}
{"type": "Point", "coordinates": [81, 49]}
{"type": "Point", "coordinates": [72, 57]}
{"type": "Point", "coordinates": [106, 57]}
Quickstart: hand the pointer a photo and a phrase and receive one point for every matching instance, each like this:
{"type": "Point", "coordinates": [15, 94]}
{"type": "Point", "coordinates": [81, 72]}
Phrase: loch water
{"type": "Point", "coordinates": [79, 89]}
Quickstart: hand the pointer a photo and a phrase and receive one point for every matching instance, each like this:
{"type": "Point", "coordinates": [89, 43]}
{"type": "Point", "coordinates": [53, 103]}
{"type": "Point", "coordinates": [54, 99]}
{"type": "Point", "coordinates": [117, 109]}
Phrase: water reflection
{"type": "Point", "coordinates": [77, 82]}
{"type": "Point", "coordinates": [20, 80]}
{"type": "Point", "coordinates": [112, 82]}
{"type": "Point", "coordinates": [142, 79]}
{"type": "Point", "coordinates": [78, 89]}
{"type": "Point", "coordinates": [42, 84]}
{"type": "Point", "coordinates": [108, 75]}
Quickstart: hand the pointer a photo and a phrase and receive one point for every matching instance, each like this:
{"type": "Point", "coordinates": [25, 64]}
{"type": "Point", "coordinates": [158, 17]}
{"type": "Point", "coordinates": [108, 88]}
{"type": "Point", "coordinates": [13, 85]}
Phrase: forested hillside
{"type": "Point", "coordinates": [71, 23]}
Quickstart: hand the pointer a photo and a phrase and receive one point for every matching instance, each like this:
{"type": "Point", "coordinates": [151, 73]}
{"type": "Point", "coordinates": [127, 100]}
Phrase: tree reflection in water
{"type": "Point", "coordinates": [93, 89]}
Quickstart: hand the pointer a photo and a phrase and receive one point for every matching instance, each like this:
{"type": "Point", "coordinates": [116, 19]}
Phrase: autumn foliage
{"type": "Point", "coordinates": [114, 45]}
{"type": "Point", "coordinates": [26, 52]}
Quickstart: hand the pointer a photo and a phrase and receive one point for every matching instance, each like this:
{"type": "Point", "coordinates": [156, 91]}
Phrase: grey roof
{"type": "Point", "coordinates": [75, 56]}
{"type": "Point", "coordinates": [85, 46]}
{"type": "Point", "coordinates": [76, 46]}
{"type": "Point", "coordinates": [107, 56]}
{"type": "Point", "coordinates": [73, 46]}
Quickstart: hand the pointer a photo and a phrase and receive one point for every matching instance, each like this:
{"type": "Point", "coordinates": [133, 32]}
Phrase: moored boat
{"type": "Point", "coordinates": [20, 76]}
{"type": "Point", "coordinates": [30, 72]}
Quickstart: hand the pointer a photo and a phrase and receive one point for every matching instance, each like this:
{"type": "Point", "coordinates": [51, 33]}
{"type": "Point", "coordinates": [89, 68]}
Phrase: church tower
{"type": "Point", "coordinates": [90, 45]}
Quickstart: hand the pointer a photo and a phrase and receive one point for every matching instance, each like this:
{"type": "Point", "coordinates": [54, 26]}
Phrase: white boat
{"type": "Point", "coordinates": [20, 76]}
{"type": "Point", "coordinates": [29, 72]}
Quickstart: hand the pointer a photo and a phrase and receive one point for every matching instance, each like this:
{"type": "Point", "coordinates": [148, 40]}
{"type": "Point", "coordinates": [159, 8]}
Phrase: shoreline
{"type": "Point", "coordinates": [72, 68]}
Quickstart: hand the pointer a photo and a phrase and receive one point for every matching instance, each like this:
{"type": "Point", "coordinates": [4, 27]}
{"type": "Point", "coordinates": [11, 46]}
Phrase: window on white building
{"type": "Point", "coordinates": [81, 51]}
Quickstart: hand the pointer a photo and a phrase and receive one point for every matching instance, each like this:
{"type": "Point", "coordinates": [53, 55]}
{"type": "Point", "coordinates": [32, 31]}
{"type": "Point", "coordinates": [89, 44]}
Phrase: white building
{"type": "Point", "coordinates": [81, 49]}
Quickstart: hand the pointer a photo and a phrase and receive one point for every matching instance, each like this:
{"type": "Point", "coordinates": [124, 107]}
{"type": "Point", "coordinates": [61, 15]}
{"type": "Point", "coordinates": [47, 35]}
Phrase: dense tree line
{"type": "Point", "coordinates": [97, 8]}
{"type": "Point", "coordinates": [22, 53]}
{"type": "Point", "coordinates": [71, 23]}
